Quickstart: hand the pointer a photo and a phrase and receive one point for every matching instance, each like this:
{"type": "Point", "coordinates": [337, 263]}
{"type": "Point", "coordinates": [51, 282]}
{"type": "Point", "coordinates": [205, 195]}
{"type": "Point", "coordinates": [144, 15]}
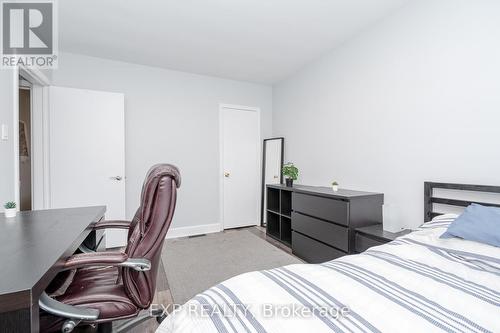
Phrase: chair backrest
{"type": "Point", "coordinates": [148, 230]}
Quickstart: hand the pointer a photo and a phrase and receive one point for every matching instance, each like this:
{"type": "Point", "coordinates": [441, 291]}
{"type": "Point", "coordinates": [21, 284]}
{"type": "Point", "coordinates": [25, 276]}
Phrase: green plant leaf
{"type": "Point", "coordinates": [290, 171]}
{"type": "Point", "coordinates": [10, 205]}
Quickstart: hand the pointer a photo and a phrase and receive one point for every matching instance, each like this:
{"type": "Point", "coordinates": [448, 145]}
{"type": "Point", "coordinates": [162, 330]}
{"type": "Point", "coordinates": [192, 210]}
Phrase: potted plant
{"type": "Point", "coordinates": [291, 173]}
{"type": "Point", "coordinates": [335, 186]}
{"type": "Point", "coordinates": [10, 209]}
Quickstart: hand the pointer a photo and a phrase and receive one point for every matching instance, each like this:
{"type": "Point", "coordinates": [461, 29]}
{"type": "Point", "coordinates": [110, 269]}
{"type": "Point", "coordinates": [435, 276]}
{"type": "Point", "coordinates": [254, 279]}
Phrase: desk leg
{"type": "Point", "coordinates": [95, 241]}
{"type": "Point", "coordinates": [18, 321]}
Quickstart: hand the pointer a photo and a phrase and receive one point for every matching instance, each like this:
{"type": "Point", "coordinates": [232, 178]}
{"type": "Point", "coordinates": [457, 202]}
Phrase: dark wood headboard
{"type": "Point", "coordinates": [430, 199]}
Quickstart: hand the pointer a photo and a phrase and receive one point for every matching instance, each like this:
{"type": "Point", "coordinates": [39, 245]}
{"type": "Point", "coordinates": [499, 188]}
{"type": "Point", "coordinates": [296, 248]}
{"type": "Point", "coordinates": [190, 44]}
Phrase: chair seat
{"type": "Point", "coordinates": [97, 288]}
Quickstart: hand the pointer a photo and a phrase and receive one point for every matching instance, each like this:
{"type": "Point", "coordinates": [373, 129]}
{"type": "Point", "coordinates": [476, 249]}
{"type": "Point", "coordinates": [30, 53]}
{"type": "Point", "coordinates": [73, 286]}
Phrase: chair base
{"type": "Point", "coordinates": [158, 314]}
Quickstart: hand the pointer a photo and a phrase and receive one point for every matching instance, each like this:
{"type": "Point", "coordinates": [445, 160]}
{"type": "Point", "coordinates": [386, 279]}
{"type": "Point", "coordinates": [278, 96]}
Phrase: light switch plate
{"type": "Point", "coordinates": [5, 132]}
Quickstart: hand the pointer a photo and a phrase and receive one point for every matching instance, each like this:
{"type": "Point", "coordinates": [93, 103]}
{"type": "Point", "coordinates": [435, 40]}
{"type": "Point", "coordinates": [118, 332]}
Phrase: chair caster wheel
{"type": "Point", "coordinates": [69, 325]}
{"type": "Point", "coordinates": [161, 318]}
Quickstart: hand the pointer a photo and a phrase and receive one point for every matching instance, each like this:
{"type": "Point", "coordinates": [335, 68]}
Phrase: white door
{"type": "Point", "coordinates": [87, 153]}
{"type": "Point", "coordinates": [240, 166]}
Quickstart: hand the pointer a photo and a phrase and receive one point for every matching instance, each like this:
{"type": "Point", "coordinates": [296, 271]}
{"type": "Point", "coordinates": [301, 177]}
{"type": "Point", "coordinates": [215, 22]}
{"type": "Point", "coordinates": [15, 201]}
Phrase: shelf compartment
{"type": "Point", "coordinates": [273, 199]}
{"type": "Point", "coordinates": [286, 203]}
{"type": "Point", "coordinates": [286, 230]}
{"type": "Point", "coordinates": [273, 224]}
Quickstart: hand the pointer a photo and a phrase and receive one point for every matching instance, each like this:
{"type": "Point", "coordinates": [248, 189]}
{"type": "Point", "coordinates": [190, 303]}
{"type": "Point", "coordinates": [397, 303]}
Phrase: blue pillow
{"type": "Point", "coordinates": [477, 223]}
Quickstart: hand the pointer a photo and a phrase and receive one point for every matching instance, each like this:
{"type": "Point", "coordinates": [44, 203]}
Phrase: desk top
{"type": "Point", "coordinates": [31, 246]}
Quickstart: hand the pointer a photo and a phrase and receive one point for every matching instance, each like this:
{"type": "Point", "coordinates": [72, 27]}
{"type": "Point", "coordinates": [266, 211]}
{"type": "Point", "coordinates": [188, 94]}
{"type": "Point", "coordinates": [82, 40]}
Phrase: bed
{"type": "Point", "coordinates": [417, 283]}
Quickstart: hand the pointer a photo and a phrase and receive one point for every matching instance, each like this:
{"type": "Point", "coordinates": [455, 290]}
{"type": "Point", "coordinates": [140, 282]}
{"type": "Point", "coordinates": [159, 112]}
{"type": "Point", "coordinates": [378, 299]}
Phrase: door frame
{"type": "Point", "coordinates": [242, 108]}
{"type": "Point", "coordinates": [40, 175]}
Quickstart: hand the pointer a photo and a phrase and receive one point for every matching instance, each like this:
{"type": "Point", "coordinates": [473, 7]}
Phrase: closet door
{"type": "Point", "coordinates": [87, 153]}
{"type": "Point", "coordinates": [240, 161]}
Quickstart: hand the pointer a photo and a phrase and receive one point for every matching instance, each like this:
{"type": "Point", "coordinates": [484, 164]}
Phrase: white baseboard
{"type": "Point", "coordinates": [194, 230]}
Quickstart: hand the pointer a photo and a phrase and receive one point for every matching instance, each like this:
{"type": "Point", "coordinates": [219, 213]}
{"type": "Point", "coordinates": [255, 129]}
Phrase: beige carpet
{"type": "Point", "coordinates": [196, 264]}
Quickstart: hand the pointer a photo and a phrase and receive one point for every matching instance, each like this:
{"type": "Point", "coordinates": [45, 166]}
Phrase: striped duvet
{"type": "Point", "coordinates": [417, 283]}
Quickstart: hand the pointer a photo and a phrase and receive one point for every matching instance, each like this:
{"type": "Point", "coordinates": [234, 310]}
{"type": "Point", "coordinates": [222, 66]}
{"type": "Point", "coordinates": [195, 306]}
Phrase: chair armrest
{"type": "Point", "coordinates": [106, 259]}
{"type": "Point", "coordinates": [112, 224]}
{"type": "Point", "coordinates": [66, 311]}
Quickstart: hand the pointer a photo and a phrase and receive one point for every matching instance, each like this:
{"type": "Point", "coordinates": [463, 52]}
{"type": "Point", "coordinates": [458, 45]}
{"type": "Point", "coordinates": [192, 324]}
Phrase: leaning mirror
{"type": "Point", "coordinates": [272, 163]}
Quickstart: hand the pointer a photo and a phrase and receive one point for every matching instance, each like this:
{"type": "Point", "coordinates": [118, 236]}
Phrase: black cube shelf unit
{"type": "Point", "coordinates": [279, 214]}
{"type": "Point", "coordinates": [317, 223]}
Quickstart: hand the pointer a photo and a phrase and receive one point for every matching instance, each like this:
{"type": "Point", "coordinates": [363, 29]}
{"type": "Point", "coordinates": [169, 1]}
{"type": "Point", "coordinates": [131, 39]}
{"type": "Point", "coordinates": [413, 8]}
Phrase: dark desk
{"type": "Point", "coordinates": [32, 247]}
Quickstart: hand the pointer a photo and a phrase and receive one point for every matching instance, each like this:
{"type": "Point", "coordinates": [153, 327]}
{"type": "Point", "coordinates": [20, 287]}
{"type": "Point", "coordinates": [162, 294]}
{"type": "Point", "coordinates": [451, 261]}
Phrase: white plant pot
{"type": "Point", "coordinates": [10, 212]}
{"type": "Point", "coordinates": [335, 188]}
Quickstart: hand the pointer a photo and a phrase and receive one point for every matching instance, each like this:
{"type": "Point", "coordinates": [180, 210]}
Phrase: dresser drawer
{"type": "Point", "coordinates": [324, 208]}
{"type": "Point", "coordinates": [313, 251]}
{"type": "Point", "coordinates": [326, 232]}
{"type": "Point", "coordinates": [363, 243]}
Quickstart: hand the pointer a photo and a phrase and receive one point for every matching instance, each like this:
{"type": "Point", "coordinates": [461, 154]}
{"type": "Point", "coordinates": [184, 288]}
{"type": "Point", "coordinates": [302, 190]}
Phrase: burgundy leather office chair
{"type": "Point", "coordinates": [109, 286]}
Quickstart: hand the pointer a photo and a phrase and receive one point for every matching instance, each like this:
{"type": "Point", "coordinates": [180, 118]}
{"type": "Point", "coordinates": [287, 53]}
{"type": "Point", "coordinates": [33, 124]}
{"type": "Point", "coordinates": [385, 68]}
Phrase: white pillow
{"type": "Point", "coordinates": [444, 217]}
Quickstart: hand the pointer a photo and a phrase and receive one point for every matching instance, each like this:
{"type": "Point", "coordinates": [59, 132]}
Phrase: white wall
{"type": "Point", "coordinates": [7, 147]}
{"type": "Point", "coordinates": [170, 117]}
{"type": "Point", "coordinates": [414, 98]}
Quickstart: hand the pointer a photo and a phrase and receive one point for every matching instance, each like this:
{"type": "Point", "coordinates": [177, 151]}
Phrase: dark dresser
{"type": "Point", "coordinates": [320, 222]}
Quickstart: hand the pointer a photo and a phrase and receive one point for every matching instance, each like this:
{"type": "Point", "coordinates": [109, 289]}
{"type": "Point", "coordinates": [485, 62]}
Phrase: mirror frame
{"type": "Point", "coordinates": [263, 185]}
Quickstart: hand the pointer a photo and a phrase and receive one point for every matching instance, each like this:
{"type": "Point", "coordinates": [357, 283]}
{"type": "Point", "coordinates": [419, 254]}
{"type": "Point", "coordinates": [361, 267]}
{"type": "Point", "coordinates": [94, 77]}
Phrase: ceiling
{"type": "Point", "coordinates": [258, 41]}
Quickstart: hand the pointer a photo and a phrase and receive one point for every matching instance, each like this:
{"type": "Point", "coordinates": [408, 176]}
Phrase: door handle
{"type": "Point", "coordinates": [117, 178]}
{"type": "Point", "coordinates": [226, 174]}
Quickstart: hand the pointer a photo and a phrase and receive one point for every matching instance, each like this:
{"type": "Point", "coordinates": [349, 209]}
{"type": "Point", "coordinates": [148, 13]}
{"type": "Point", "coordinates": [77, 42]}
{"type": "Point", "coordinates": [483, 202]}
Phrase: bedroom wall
{"type": "Point", "coordinates": [415, 97]}
{"type": "Point", "coordinates": [173, 117]}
